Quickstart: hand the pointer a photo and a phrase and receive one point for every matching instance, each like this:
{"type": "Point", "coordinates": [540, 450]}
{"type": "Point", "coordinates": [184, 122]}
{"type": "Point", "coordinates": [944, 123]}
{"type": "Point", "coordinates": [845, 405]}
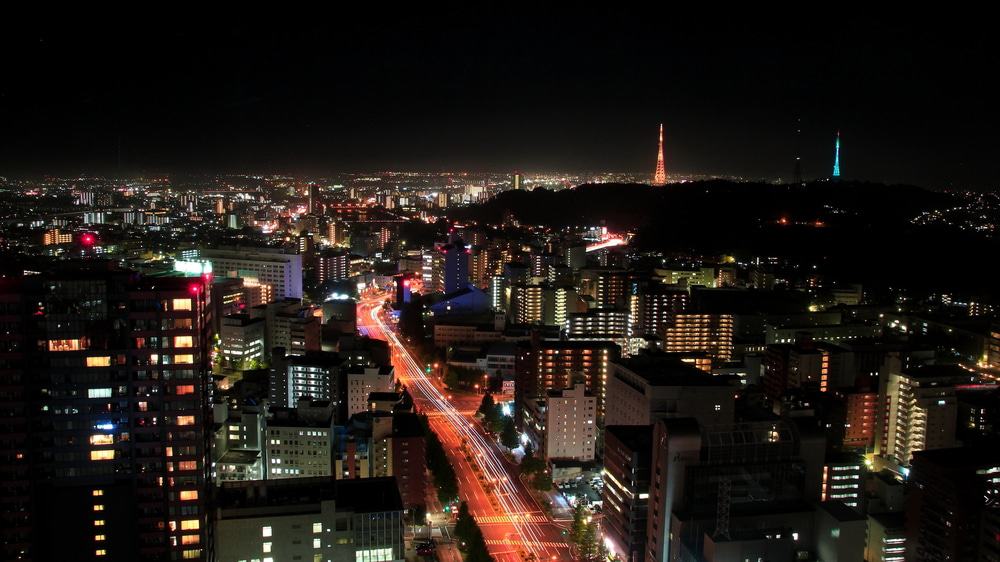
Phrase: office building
{"type": "Point", "coordinates": [362, 381]}
{"type": "Point", "coordinates": [309, 519]}
{"type": "Point", "coordinates": [563, 425]}
{"type": "Point", "coordinates": [710, 482]}
{"type": "Point", "coordinates": [432, 271]}
{"type": "Point", "coordinates": [241, 341]}
{"type": "Point", "coordinates": [298, 440]}
{"type": "Point", "coordinates": [843, 479]}
{"type": "Point", "coordinates": [283, 272]}
{"type": "Point", "coordinates": [648, 387]}
{"type": "Point", "coordinates": [627, 460]}
{"type": "Point", "coordinates": [290, 326]}
{"type": "Point", "coordinates": [950, 509]}
{"type": "Point", "coordinates": [455, 266]}
{"type": "Point", "coordinates": [105, 429]}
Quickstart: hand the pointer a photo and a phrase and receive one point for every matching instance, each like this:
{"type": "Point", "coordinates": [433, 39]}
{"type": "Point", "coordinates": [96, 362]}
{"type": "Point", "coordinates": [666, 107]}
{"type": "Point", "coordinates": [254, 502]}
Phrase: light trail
{"type": "Point", "coordinates": [515, 508]}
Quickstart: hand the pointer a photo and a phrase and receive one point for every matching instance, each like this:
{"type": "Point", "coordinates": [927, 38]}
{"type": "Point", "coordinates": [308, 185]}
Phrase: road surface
{"type": "Point", "coordinates": [512, 523]}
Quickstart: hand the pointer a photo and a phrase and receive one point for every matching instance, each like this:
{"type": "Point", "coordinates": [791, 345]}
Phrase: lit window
{"type": "Point", "coordinates": [98, 522]}
{"type": "Point", "coordinates": [184, 389]}
{"type": "Point", "coordinates": [190, 525]}
{"type": "Point", "coordinates": [65, 345]}
{"type": "Point", "coordinates": [99, 361]}
{"type": "Point", "coordinates": [188, 495]}
{"type": "Point", "coordinates": [185, 420]}
{"type": "Point", "coordinates": [96, 493]}
{"type": "Point", "coordinates": [267, 548]}
{"type": "Point", "coordinates": [192, 554]}
{"type": "Point", "coordinates": [183, 358]}
{"type": "Point", "coordinates": [98, 538]}
{"type": "Point", "coordinates": [103, 455]}
{"type": "Point", "coordinates": [187, 465]}
{"type": "Point", "coordinates": [102, 439]}
{"type": "Point", "coordinates": [182, 304]}
{"type": "Point", "coordinates": [317, 527]}
{"type": "Point", "coordinates": [98, 507]}
{"type": "Point", "coordinates": [317, 543]}
{"type": "Point", "coordinates": [98, 393]}
{"type": "Point", "coordinates": [265, 532]}
{"type": "Point", "coordinates": [100, 552]}
{"type": "Point", "coordinates": [190, 539]}
{"type": "Point", "coordinates": [183, 341]}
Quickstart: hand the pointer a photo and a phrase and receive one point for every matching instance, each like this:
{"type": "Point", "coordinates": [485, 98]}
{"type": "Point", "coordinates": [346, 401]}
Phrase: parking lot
{"type": "Point", "coordinates": [585, 488]}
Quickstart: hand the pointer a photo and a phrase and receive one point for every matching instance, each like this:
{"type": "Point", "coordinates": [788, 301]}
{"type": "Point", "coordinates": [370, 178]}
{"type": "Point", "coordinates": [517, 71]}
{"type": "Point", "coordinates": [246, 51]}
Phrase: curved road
{"type": "Point", "coordinates": [511, 521]}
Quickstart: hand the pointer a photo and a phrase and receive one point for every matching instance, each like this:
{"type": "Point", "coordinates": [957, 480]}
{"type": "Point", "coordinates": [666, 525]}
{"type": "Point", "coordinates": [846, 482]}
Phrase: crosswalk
{"type": "Point", "coordinates": [486, 519]}
{"type": "Point", "coordinates": [529, 544]}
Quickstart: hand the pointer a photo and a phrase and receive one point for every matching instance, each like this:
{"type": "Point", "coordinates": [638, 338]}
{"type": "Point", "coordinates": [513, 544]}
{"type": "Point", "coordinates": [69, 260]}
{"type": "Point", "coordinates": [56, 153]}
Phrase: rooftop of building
{"type": "Point", "coordinates": [240, 456]}
{"type": "Point", "coordinates": [290, 417]}
{"type": "Point", "coordinates": [840, 511]}
{"type": "Point", "coordinates": [927, 372]}
{"type": "Point", "coordinates": [316, 359]}
{"type": "Point", "coordinates": [981, 456]}
{"type": "Point", "coordinates": [365, 495]}
{"type": "Point", "coordinates": [635, 437]}
{"type": "Point", "coordinates": [666, 369]}
{"type": "Point", "coordinates": [576, 344]}
{"type": "Point", "coordinates": [383, 370]}
{"type": "Point", "coordinates": [406, 424]}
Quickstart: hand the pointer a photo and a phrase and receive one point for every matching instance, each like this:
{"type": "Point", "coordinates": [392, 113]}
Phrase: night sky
{"type": "Point", "coordinates": [488, 90]}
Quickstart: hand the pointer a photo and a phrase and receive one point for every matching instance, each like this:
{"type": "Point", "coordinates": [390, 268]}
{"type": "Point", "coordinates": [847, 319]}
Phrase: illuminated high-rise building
{"type": "Point", "coordinates": [558, 364]}
{"type": "Point", "coordinates": [708, 333]}
{"type": "Point", "coordinates": [456, 266]}
{"type": "Point", "coordinates": [104, 433]}
{"type": "Point", "coordinates": [660, 176]}
{"type": "Point", "coordinates": [836, 158]}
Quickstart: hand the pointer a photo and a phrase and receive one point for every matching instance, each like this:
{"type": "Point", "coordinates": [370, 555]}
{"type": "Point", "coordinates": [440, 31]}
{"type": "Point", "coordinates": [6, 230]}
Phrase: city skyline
{"type": "Point", "coordinates": [536, 93]}
{"type": "Point", "coordinates": [464, 284]}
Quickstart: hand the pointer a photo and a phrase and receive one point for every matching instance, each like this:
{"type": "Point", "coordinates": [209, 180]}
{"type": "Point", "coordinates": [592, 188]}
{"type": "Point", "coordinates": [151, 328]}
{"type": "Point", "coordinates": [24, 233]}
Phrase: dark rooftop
{"type": "Point", "coordinates": [938, 371]}
{"type": "Point", "coordinates": [366, 495]}
{"type": "Point", "coordinates": [839, 511]}
{"type": "Point", "coordinates": [664, 369]}
{"type": "Point", "coordinates": [635, 437]}
{"type": "Point", "coordinates": [235, 456]}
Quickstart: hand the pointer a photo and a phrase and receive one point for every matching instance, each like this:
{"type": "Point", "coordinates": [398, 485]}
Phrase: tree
{"type": "Point", "coordinates": [589, 547]}
{"type": "Point", "coordinates": [486, 407]}
{"type": "Point", "coordinates": [464, 523]}
{"type": "Point", "coordinates": [543, 482]}
{"type": "Point", "coordinates": [508, 436]}
{"type": "Point", "coordinates": [529, 464]}
{"type": "Point", "coordinates": [576, 531]}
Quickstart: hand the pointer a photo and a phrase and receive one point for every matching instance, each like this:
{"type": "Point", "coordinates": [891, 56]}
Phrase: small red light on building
{"type": "Point", "coordinates": [194, 289]}
{"type": "Point", "coordinates": [87, 239]}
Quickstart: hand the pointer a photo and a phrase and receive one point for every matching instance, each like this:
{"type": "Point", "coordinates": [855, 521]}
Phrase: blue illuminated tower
{"type": "Point", "coordinates": [836, 158]}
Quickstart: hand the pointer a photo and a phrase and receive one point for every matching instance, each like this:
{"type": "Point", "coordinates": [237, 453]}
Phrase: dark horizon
{"type": "Point", "coordinates": [484, 91]}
